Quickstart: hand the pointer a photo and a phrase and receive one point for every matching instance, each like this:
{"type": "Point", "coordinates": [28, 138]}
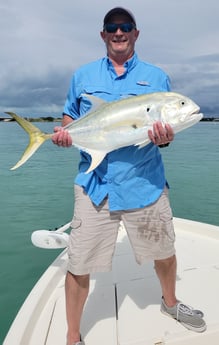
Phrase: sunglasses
{"type": "Point", "coordinates": [124, 27]}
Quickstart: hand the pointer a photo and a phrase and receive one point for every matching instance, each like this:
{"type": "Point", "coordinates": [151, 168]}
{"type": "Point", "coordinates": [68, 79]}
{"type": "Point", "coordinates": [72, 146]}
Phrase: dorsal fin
{"type": "Point", "coordinates": [95, 101]}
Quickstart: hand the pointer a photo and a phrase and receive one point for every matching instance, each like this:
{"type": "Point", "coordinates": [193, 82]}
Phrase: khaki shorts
{"type": "Point", "coordinates": [95, 229]}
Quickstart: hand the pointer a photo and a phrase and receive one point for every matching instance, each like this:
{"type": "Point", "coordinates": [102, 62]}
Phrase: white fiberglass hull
{"type": "Point", "coordinates": [124, 305]}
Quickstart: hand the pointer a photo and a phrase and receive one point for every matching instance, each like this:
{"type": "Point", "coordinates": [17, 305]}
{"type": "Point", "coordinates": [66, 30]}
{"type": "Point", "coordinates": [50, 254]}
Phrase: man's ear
{"type": "Point", "coordinates": [137, 32]}
{"type": "Point", "coordinates": [103, 35]}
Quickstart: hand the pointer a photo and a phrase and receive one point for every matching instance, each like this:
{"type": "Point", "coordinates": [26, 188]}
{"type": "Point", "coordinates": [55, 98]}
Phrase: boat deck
{"type": "Point", "coordinates": [123, 307]}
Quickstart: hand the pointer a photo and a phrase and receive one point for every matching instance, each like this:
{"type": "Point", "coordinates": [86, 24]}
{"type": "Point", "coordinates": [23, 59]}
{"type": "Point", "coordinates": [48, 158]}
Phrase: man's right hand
{"type": "Point", "coordinates": [61, 137]}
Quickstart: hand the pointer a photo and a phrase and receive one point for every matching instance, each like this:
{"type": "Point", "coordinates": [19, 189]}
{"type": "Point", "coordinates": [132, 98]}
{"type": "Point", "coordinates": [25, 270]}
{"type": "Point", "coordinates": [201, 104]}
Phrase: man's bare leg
{"type": "Point", "coordinates": [166, 271]}
{"type": "Point", "coordinates": [76, 291]}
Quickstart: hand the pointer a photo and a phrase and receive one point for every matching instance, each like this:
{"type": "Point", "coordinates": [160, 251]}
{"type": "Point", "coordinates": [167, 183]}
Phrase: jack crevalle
{"type": "Point", "coordinates": [112, 125]}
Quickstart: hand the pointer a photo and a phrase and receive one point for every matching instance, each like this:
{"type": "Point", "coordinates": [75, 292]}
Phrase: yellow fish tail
{"type": "Point", "coordinates": [36, 138]}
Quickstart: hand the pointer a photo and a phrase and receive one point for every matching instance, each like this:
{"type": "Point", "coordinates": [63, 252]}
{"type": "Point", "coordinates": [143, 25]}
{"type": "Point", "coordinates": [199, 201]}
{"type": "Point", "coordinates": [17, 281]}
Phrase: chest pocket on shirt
{"type": "Point", "coordinates": [140, 88]}
{"type": "Point", "coordinates": [113, 94]}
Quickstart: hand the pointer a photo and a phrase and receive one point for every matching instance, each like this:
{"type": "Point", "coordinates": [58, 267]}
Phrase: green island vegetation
{"type": "Point", "coordinates": [34, 119]}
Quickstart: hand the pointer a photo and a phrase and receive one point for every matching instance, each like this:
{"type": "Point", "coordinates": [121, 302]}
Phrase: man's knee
{"type": "Point", "coordinates": [81, 280]}
{"type": "Point", "coordinates": [165, 263]}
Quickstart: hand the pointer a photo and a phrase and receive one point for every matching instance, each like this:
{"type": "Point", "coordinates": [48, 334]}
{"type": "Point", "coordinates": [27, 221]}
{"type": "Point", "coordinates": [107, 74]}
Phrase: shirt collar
{"type": "Point", "coordinates": [129, 64]}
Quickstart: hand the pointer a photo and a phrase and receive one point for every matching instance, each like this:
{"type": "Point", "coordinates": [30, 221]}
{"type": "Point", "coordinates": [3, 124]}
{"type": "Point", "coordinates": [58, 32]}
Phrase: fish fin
{"type": "Point", "coordinates": [36, 138]}
{"type": "Point", "coordinates": [96, 159]}
{"type": "Point", "coordinates": [96, 102]}
{"type": "Point", "coordinates": [143, 143]}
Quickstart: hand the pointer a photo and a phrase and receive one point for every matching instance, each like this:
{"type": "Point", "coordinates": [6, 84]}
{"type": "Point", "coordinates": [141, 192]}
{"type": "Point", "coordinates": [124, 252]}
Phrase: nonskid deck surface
{"type": "Point", "coordinates": [123, 307]}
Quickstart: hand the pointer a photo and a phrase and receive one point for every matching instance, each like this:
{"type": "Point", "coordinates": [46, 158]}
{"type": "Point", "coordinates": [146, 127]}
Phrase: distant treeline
{"type": "Point", "coordinates": [43, 119]}
{"type": "Point", "coordinates": [34, 119]}
{"type": "Point", "coordinates": [210, 119]}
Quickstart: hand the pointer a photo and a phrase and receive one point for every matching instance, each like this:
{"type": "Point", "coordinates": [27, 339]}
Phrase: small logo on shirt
{"type": "Point", "coordinates": [142, 82]}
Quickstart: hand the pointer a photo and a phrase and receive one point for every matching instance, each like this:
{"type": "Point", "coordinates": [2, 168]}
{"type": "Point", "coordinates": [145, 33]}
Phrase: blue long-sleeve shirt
{"type": "Point", "coordinates": [130, 177]}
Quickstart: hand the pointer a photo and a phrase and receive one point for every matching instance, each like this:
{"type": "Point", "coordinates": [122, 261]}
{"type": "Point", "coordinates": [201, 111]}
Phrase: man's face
{"type": "Point", "coordinates": [119, 42]}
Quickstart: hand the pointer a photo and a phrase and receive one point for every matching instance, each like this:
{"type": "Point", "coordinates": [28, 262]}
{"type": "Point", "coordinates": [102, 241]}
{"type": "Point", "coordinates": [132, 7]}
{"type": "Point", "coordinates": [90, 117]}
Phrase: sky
{"type": "Point", "coordinates": [43, 42]}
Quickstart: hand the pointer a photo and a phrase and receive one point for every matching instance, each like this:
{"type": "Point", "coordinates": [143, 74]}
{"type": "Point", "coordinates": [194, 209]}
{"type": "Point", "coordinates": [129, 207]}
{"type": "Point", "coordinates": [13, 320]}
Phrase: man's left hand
{"type": "Point", "coordinates": [161, 135]}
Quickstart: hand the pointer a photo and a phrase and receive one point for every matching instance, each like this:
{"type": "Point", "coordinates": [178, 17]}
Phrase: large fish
{"type": "Point", "coordinates": [112, 125]}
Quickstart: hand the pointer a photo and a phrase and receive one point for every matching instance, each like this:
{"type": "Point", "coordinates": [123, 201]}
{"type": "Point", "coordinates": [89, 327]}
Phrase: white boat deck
{"type": "Point", "coordinates": [123, 307]}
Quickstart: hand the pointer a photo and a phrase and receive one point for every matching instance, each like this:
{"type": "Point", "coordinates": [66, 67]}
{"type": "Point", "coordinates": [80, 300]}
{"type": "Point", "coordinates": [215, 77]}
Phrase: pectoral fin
{"type": "Point", "coordinates": [143, 143]}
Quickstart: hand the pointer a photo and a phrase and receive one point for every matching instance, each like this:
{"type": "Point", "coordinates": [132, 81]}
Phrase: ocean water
{"type": "Point", "coordinates": [39, 195]}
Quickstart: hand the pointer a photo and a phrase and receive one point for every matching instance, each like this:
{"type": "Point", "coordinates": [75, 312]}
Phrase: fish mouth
{"type": "Point", "coordinates": [195, 111]}
{"type": "Point", "coordinates": [198, 114]}
{"type": "Point", "coordinates": [194, 117]}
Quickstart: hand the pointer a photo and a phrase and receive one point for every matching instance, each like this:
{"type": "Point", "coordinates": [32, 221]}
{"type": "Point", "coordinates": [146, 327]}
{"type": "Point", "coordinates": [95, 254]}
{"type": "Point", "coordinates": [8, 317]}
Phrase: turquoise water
{"type": "Point", "coordinates": [39, 196]}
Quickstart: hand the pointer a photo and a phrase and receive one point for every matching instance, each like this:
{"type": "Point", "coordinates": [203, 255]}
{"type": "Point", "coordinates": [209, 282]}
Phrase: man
{"type": "Point", "coordinates": [129, 184]}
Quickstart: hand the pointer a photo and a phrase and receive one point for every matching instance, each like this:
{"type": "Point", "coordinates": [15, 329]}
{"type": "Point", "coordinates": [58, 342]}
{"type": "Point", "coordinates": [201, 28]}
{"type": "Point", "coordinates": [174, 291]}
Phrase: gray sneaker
{"type": "Point", "coordinates": [190, 318]}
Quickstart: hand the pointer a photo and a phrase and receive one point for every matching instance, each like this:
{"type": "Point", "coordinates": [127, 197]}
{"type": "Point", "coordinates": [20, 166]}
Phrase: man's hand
{"type": "Point", "coordinates": [61, 137]}
{"type": "Point", "coordinates": [160, 134]}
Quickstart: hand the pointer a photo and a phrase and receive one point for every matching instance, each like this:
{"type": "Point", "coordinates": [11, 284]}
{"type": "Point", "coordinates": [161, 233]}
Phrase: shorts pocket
{"type": "Point", "coordinates": [75, 223]}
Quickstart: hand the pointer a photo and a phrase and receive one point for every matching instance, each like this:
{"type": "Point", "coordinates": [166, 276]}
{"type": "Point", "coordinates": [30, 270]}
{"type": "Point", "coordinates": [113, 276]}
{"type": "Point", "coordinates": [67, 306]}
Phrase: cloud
{"type": "Point", "coordinates": [198, 78]}
{"type": "Point", "coordinates": [43, 42]}
{"type": "Point", "coordinates": [39, 93]}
